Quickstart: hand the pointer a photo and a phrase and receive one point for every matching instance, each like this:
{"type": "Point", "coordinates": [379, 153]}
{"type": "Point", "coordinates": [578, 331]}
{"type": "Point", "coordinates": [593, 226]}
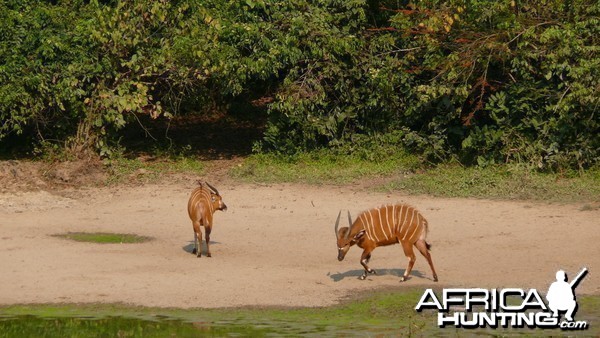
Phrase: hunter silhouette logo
{"type": "Point", "coordinates": [509, 307]}
{"type": "Point", "coordinates": [561, 295]}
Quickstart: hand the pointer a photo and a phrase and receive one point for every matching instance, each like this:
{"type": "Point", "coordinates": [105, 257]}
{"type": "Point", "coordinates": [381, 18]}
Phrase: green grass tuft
{"type": "Point", "coordinates": [405, 173]}
{"type": "Point", "coordinates": [502, 182]}
{"type": "Point", "coordinates": [321, 167]}
{"type": "Point", "coordinates": [377, 313]}
{"type": "Point", "coordinates": [103, 237]}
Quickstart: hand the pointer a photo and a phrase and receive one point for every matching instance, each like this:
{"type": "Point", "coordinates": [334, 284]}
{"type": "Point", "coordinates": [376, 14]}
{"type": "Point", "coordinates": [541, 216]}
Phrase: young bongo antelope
{"type": "Point", "coordinates": [203, 203]}
{"type": "Point", "coordinates": [383, 226]}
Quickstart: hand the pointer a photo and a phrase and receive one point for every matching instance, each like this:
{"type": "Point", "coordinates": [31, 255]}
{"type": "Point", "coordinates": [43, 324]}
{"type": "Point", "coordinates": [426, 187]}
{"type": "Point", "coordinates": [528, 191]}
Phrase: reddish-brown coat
{"type": "Point", "coordinates": [386, 225]}
{"type": "Point", "coordinates": [203, 203]}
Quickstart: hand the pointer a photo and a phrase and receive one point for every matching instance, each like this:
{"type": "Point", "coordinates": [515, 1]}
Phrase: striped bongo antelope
{"type": "Point", "coordinates": [383, 226]}
{"type": "Point", "coordinates": [203, 203]}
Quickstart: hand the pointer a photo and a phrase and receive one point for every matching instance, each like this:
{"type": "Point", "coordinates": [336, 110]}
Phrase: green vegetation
{"type": "Point", "coordinates": [312, 168]}
{"type": "Point", "coordinates": [381, 313]}
{"type": "Point", "coordinates": [477, 82]}
{"type": "Point", "coordinates": [480, 82]}
{"type": "Point", "coordinates": [404, 173]}
{"type": "Point", "coordinates": [33, 326]}
{"type": "Point", "coordinates": [104, 238]}
{"type": "Point", "coordinates": [504, 182]}
{"type": "Point", "coordinates": [381, 308]}
{"type": "Point", "coordinates": [325, 166]}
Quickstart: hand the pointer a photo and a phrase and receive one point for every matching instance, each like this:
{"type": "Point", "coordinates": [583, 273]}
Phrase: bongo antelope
{"type": "Point", "coordinates": [203, 203]}
{"type": "Point", "coordinates": [386, 225]}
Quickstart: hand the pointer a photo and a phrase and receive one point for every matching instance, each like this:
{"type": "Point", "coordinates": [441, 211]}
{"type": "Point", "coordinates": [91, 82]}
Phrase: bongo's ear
{"type": "Point", "coordinates": [359, 235]}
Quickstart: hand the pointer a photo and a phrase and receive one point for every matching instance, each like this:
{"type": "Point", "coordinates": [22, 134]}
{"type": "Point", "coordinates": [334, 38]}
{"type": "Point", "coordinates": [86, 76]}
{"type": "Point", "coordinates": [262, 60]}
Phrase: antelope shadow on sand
{"type": "Point", "coordinates": [336, 277]}
{"type": "Point", "coordinates": [189, 248]}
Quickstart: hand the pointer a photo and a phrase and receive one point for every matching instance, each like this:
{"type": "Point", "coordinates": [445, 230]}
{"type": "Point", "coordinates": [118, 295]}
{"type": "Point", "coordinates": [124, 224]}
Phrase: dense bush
{"type": "Point", "coordinates": [486, 82]}
{"type": "Point", "coordinates": [75, 72]}
{"type": "Point", "coordinates": [480, 81]}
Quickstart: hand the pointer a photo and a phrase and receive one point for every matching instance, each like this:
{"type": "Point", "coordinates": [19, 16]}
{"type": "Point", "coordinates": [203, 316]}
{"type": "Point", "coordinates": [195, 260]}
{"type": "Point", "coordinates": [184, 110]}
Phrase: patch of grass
{"type": "Point", "coordinates": [384, 313]}
{"type": "Point", "coordinates": [103, 237]}
{"type": "Point", "coordinates": [588, 207]}
{"type": "Point", "coordinates": [381, 313]}
{"type": "Point", "coordinates": [405, 172]}
{"type": "Point", "coordinates": [503, 182]}
{"type": "Point", "coordinates": [321, 167]}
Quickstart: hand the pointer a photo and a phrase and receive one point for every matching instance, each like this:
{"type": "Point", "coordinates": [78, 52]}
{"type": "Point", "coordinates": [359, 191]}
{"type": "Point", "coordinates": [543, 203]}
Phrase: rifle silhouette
{"type": "Point", "coordinates": [578, 278]}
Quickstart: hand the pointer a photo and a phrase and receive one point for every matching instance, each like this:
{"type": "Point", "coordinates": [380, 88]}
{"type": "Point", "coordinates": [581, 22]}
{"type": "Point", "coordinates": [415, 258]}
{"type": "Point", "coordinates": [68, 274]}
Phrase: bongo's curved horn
{"type": "Point", "coordinates": [349, 225]}
{"type": "Point", "coordinates": [212, 188]}
{"type": "Point", "coordinates": [337, 224]}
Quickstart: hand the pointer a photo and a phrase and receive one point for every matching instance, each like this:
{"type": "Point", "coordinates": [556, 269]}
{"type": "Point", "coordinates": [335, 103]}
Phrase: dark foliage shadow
{"type": "Point", "coordinates": [210, 136]}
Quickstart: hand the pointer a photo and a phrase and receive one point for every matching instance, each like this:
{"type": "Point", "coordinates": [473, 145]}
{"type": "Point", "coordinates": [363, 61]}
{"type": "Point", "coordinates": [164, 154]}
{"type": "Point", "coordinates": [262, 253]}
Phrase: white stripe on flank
{"type": "Point", "coordinates": [403, 218]}
{"type": "Point", "coordinates": [423, 223]}
{"type": "Point", "coordinates": [206, 196]}
{"type": "Point", "coordinates": [394, 220]}
{"type": "Point", "coordinates": [196, 197]}
{"type": "Point", "coordinates": [381, 223]}
{"type": "Point", "coordinates": [373, 225]}
{"type": "Point", "coordinates": [412, 216]}
{"type": "Point", "coordinates": [416, 227]}
{"type": "Point", "coordinates": [387, 221]}
{"type": "Point", "coordinates": [366, 225]}
{"type": "Point", "coordinates": [402, 221]}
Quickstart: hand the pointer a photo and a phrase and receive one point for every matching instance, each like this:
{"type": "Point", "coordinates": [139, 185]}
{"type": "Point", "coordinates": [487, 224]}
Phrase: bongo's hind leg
{"type": "Point", "coordinates": [197, 239]}
{"type": "Point", "coordinates": [424, 250]}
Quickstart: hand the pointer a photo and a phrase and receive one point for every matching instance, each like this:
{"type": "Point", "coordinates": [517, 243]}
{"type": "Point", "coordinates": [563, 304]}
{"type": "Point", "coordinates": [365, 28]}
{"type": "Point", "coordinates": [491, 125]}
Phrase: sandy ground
{"type": "Point", "coordinates": [274, 246]}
